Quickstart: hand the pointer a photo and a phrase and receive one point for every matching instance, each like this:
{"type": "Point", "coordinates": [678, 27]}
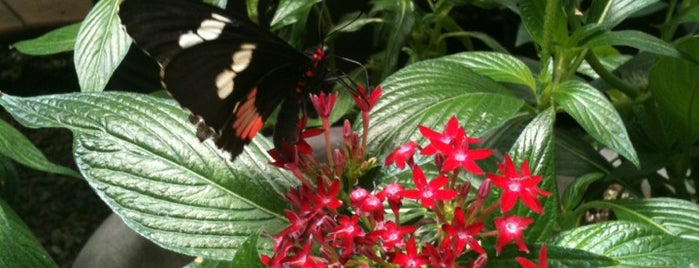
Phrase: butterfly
{"type": "Point", "coordinates": [229, 73]}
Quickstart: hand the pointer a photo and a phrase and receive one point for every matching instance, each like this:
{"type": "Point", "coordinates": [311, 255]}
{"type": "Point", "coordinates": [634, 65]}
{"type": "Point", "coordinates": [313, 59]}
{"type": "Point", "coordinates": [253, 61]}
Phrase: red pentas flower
{"type": "Point", "coordinates": [327, 197]}
{"type": "Point", "coordinates": [452, 132]}
{"type": "Point", "coordinates": [391, 235]}
{"type": "Point", "coordinates": [515, 186]}
{"type": "Point", "coordinates": [464, 234]}
{"type": "Point", "coordinates": [286, 158]}
{"type": "Point", "coordinates": [324, 103]}
{"type": "Point", "coordinates": [303, 133]}
{"type": "Point", "coordinates": [525, 263]}
{"type": "Point", "coordinates": [453, 136]}
{"type": "Point", "coordinates": [393, 193]}
{"type": "Point", "coordinates": [462, 157]}
{"type": "Point", "coordinates": [426, 192]}
{"type": "Point", "coordinates": [443, 256]}
{"type": "Point", "coordinates": [510, 229]}
{"type": "Point", "coordinates": [402, 155]}
{"type": "Point", "coordinates": [365, 100]}
{"type": "Point", "coordinates": [345, 232]}
{"type": "Point", "coordinates": [410, 258]}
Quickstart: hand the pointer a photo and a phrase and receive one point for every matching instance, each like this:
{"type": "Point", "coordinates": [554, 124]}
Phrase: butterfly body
{"type": "Point", "coordinates": [224, 69]}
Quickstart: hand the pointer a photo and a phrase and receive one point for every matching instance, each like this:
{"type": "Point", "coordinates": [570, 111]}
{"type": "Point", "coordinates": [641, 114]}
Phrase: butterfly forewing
{"type": "Point", "coordinates": [225, 70]}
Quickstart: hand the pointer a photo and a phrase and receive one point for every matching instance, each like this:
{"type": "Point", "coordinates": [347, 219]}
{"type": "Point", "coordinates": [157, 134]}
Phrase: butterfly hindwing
{"type": "Point", "coordinates": [225, 70]}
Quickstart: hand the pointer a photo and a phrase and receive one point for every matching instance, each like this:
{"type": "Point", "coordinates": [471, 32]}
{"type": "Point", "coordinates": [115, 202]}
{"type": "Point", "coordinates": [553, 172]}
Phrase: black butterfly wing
{"type": "Point", "coordinates": [227, 72]}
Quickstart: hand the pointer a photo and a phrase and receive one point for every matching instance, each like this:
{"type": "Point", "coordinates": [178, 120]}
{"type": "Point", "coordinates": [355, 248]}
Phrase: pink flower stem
{"type": "Point", "coordinates": [452, 184]}
{"type": "Point", "coordinates": [365, 125]}
{"type": "Point", "coordinates": [489, 209]}
{"type": "Point", "coordinates": [328, 149]}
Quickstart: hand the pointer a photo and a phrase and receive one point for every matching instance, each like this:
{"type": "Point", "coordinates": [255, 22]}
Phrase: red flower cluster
{"type": "Point", "coordinates": [335, 223]}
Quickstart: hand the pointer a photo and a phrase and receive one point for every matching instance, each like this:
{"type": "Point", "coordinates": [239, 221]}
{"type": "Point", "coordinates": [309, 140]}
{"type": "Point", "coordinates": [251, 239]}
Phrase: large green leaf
{"type": "Point", "coordinates": [100, 46]}
{"type": "Point", "coordinates": [534, 15]}
{"type": "Point", "coordinates": [56, 41]}
{"type": "Point", "coordinates": [576, 191]}
{"type": "Point", "coordinates": [18, 246]}
{"type": "Point", "coordinates": [631, 244]}
{"type": "Point", "coordinates": [428, 93]}
{"type": "Point", "coordinates": [675, 87]}
{"type": "Point", "coordinates": [576, 157]}
{"type": "Point", "coordinates": [17, 147]}
{"type": "Point", "coordinates": [399, 20]}
{"type": "Point", "coordinates": [673, 216]}
{"type": "Point", "coordinates": [498, 66]}
{"type": "Point", "coordinates": [689, 15]}
{"type": "Point", "coordinates": [247, 256]}
{"type": "Point", "coordinates": [636, 39]}
{"type": "Point", "coordinates": [291, 11]}
{"type": "Point", "coordinates": [218, 3]}
{"type": "Point", "coordinates": [610, 13]}
{"type": "Point", "coordinates": [142, 157]}
{"type": "Point", "coordinates": [596, 115]}
{"type": "Point", "coordinates": [535, 145]}
{"type": "Point", "coordinates": [555, 256]}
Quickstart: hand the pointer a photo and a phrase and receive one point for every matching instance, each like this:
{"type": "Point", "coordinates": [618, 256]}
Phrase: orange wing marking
{"type": "Point", "coordinates": [248, 122]}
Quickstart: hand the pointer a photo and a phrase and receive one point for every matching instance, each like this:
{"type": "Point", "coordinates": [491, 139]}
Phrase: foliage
{"type": "Point", "coordinates": [597, 80]}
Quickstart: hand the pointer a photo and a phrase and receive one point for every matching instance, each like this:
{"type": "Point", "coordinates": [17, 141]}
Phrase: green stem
{"type": "Point", "coordinates": [669, 28]}
{"type": "Point", "coordinates": [611, 79]}
{"type": "Point", "coordinates": [552, 8]}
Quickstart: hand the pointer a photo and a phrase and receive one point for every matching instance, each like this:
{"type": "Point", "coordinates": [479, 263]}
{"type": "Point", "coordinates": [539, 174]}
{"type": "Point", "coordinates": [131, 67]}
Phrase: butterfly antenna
{"type": "Point", "coordinates": [364, 69]}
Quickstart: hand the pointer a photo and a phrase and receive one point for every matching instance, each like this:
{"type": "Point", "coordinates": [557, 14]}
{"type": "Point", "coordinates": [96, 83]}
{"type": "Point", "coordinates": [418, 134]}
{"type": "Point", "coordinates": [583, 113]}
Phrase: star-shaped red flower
{"type": "Point", "coordinates": [402, 155]}
{"type": "Point", "coordinates": [426, 192]}
{"type": "Point", "coordinates": [522, 185]}
{"type": "Point", "coordinates": [510, 229]}
{"type": "Point", "coordinates": [525, 263]}
{"type": "Point", "coordinates": [464, 234]}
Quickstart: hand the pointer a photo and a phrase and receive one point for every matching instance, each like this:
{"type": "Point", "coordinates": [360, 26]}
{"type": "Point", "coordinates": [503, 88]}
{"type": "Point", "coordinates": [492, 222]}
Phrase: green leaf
{"type": "Point", "coordinates": [252, 10]}
{"type": "Point", "coordinates": [555, 256]}
{"type": "Point", "coordinates": [248, 256]}
{"type": "Point", "coordinates": [498, 66]}
{"type": "Point", "coordinates": [218, 3]}
{"type": "Point", "coordinates": [689, 15]}
{"type": "Point", "coordinates": [631, 244]}
{"type": "Point", "coordinates": [354, 21]}
{"type": "Point", "coordinates": [100, 46]}
{"type": "Point", "coordinates": [56, 41]}
{"type": "Point", "coordinates": [533, 13]}
{"type": "Point", "coordinates": [574, 193]}
{"type": "Point", "coordinates": [596, 115]}
{"type": "Point", "coordinates": [680, 94]}
{"type": "Point", "coordinates": [428, 93]}
{"type": "Point", "coordinates": [18, 246]}
{"type": "Point", "coordinates": [610, 13]}
{"type": "Point", "coordinates": [291, 11]}
{"type": "Point", "coordinates": [399, 20]}
{"type": "Point", "coordinates": [673, 216]}
{"type": "Point", "coordinates": [141, 155]}
{"type": "Point", "coordinates": [208, 263]}
{"type": "Point", "coordinates": [487, 40]}
{"type": "Point", "coordinates": [535, 145]}
{"type": "Point", "coordinates": [17, 147]}
{"type": "Point", "coordinates": [636, 39]}
{"type": "Point", "coordinates": [576, 157]}
{"type": "Point", "coordinates": [9, 181]}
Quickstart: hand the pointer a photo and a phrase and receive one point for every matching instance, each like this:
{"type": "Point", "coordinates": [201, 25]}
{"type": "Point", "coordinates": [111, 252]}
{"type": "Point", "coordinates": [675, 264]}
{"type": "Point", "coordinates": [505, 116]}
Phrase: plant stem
{"type": "Point", "coordinates": [611, 79]}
